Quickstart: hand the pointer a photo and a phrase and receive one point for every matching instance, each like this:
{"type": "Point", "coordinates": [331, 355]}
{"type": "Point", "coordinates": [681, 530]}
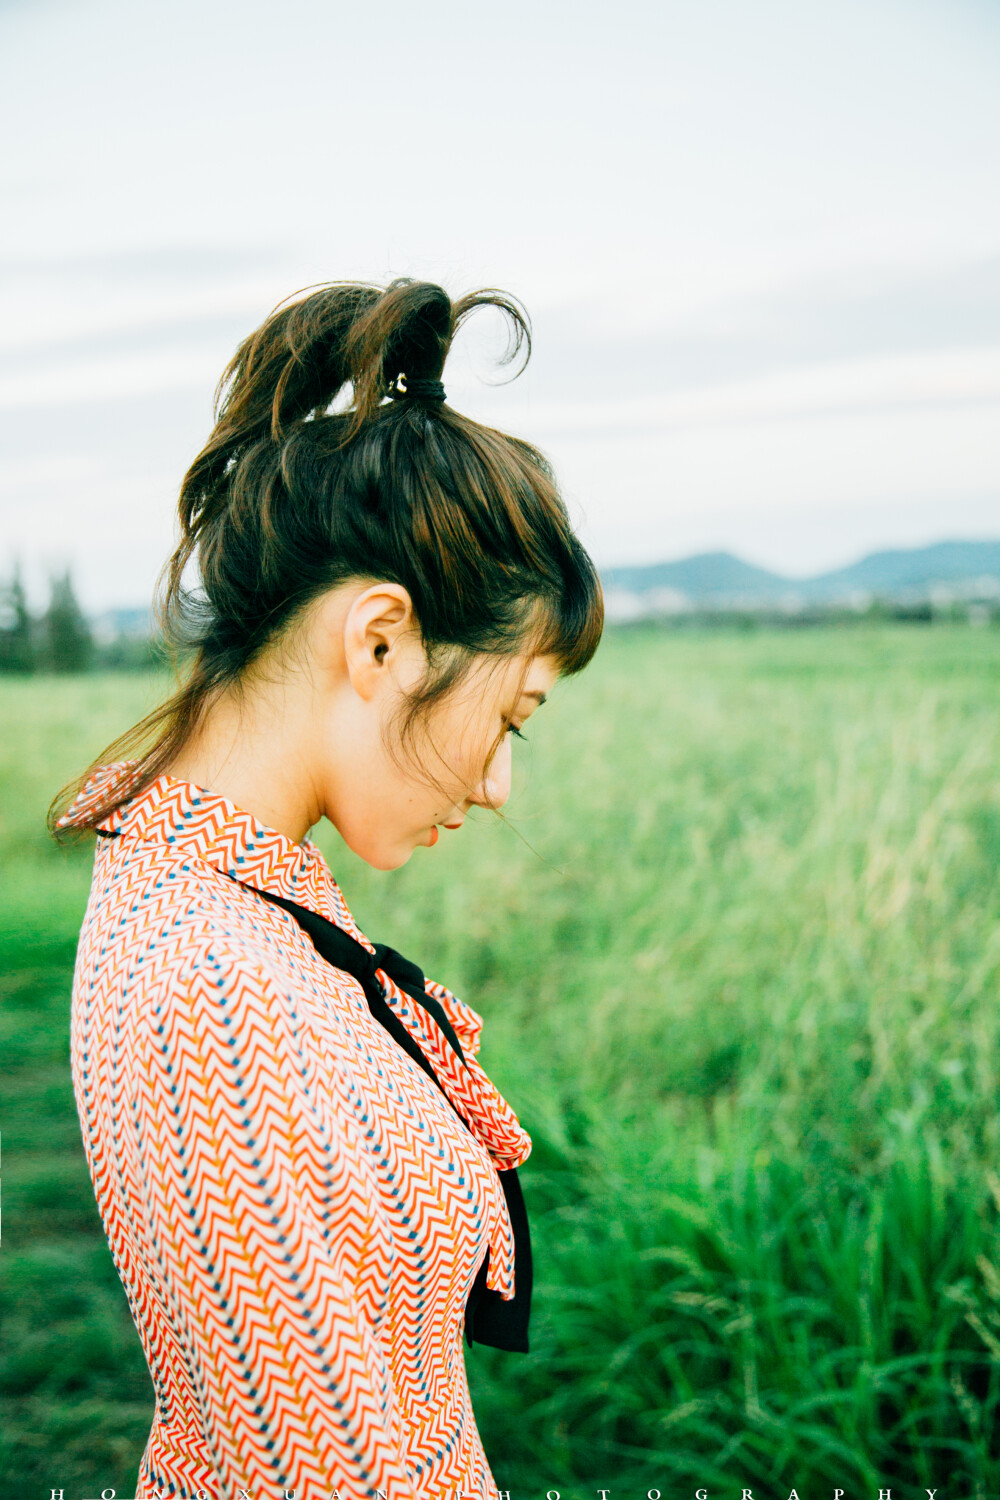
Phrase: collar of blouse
{"type": "Point", "coordinates": [195, 822]}
{"type": "Point", "coordinates": [210, 827]}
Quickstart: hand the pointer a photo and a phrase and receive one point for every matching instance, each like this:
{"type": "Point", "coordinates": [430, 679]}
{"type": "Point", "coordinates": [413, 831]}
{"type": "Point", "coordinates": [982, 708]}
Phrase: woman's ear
{"type": "Point", "coordinates": [379, 627]}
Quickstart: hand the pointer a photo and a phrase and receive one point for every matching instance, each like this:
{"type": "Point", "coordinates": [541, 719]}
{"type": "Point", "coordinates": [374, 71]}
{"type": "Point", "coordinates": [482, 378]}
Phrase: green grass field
{"type": "Point", "coordinates": [738, 955]}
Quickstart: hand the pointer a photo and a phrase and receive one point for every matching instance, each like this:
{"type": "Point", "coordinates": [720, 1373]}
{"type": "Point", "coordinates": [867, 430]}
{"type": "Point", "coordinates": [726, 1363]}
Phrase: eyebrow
{"type": "Point", "coordinates": [534, 693]}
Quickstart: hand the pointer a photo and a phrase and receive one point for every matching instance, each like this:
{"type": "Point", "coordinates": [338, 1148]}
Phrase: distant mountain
{"type": "Point", "coordinates": [913, 569]}
{"type": "Point", "coordinates": [706, 574]}
{"type": "Point", "coordinates": [718, 580]}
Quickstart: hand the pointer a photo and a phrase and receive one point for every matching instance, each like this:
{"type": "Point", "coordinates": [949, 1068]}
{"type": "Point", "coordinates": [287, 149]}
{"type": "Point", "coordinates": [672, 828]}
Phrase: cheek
{"type": "Point", "coordinates": [500, 770]}
{"type": "Point", "coordinates": [490, 753]}
{"type": "Point", "coordinates": [429, 777]}
{"type": "Point", "coordinates": [455, 756]}
{"type": "Point", "coordinates": [492, 779]}
{"type": "Point", "coordinates": [464, 749]}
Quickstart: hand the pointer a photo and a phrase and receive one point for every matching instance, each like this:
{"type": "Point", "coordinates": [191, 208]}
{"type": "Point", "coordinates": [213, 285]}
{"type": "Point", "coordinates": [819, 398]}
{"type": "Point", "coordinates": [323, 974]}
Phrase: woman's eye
{"type": "Point", "coordinates": [513, 729]}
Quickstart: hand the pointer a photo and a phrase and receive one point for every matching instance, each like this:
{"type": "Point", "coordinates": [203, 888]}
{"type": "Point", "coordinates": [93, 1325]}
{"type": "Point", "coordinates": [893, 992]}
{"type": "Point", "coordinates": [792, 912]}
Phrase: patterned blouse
{"type": "Point", "coordinates": [296, 1212]}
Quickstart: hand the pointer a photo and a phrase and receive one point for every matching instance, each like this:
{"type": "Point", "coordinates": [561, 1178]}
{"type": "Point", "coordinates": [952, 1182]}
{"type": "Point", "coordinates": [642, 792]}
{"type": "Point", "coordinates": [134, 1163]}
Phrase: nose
{"type": "Point", "coordinates": [495, 786]}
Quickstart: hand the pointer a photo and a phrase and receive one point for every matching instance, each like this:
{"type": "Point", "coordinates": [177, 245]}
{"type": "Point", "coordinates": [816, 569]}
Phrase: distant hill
{"type": "Point", "coordinates": [917, 568]}
{"type": "Point", "coordinates": [706, 574]}
{"type": "Point", "coordinates": [718, 580]}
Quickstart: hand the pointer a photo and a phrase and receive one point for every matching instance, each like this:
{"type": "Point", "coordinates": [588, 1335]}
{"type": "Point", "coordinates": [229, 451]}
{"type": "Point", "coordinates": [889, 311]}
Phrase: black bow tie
{"type": "Point", "coordinates": [489, 1319]}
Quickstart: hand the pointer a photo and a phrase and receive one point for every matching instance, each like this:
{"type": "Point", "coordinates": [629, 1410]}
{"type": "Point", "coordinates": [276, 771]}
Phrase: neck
{"type": "Point", "coordinates": [251, 750]}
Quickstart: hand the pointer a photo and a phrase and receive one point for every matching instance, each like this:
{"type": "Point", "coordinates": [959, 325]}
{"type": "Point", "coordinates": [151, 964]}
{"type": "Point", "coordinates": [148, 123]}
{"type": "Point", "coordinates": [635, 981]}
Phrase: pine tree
{"type": "Point", "coordinates": [17, 645]}
{"type": "Point", "coordinates": [69, 643]}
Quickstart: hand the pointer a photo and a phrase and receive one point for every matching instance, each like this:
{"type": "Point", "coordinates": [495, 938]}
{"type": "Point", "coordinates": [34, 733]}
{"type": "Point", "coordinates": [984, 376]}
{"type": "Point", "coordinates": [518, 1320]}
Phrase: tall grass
{"type": "Point", "coordinates": [737, 955]}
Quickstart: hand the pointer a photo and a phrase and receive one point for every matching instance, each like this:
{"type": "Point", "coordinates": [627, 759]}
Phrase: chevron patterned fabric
{"type": "Point", "coordinates": [295, 1210]}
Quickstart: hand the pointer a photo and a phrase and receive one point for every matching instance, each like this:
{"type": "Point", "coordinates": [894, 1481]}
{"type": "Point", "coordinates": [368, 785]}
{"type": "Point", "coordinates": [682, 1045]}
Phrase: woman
{"type": "Point", "coordinates": [306, 1178]}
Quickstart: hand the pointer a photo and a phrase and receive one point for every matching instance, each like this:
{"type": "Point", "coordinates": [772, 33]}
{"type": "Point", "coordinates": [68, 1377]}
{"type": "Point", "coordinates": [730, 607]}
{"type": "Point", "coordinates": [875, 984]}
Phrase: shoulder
{"type": "Point", "coordinates": [160, 922]}
{"type": "Point", "coordinates": [152, 894]}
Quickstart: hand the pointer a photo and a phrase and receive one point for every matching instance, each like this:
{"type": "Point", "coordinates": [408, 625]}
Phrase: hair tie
{"type": "Point", "coordinates": [423, 390]}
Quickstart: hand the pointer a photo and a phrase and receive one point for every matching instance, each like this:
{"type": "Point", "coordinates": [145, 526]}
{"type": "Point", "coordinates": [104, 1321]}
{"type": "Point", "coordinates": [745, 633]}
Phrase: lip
{"type": "Point", "coordinates": [433, 833]}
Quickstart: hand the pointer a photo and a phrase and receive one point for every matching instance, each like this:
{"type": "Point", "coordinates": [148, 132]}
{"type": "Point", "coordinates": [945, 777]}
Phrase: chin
{"type": "Point", "coordinates": [385, 859]}
{"type": "Point", "coordinates": [393, 864]}
{"type": "Point", "coordinates": [384, 853]}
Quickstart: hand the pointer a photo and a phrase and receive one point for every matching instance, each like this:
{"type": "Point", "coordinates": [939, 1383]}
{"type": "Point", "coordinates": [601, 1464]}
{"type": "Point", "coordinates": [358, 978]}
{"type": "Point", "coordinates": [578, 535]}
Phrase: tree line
{"type": "Point", "coordinates": [60, 638]}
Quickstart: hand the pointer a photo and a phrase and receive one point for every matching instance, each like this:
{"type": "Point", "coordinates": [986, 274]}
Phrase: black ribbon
{"type": "Point", "coordinates": [489, 1319]}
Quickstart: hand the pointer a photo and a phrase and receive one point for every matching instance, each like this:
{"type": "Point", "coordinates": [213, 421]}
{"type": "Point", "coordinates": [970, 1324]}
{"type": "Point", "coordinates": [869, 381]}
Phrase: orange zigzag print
{"type": "Point", "coordinates": [295, 1211]}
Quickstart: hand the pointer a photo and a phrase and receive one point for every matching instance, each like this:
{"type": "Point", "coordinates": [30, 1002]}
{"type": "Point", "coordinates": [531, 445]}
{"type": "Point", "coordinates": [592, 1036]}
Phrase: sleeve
{"type": "Point", "coordinates": [468, 1023]}
{"type": "Point", "coordinates": [261, 1202]}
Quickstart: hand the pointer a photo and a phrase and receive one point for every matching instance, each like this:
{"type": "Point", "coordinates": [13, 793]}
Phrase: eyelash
{"type": "Point", "coordinates": [512, 729]}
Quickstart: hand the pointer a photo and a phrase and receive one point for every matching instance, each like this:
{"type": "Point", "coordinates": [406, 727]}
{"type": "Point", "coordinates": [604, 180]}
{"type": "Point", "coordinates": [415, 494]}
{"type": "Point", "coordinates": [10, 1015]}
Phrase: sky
{"type": "Point", "coordinates": [760, 246]}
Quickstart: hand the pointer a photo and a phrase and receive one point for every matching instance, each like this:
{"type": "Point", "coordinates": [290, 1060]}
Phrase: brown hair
{"type": "Point", "coordinates": [288, 499]}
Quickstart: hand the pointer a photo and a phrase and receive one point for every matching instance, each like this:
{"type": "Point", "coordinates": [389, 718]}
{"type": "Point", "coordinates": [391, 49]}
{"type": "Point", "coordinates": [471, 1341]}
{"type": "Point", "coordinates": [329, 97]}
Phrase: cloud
{"type": "Point", "coordinates": [946, 378]}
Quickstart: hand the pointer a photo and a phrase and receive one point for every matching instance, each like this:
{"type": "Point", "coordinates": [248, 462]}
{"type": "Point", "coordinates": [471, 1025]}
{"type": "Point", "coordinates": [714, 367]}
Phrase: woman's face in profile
{"type": "Point", "coordinates": [392, 807]}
